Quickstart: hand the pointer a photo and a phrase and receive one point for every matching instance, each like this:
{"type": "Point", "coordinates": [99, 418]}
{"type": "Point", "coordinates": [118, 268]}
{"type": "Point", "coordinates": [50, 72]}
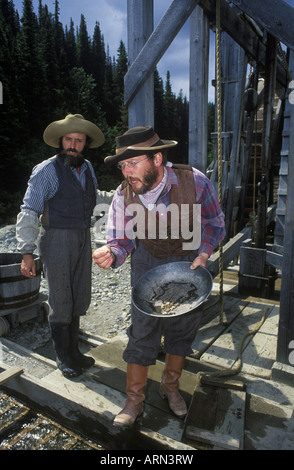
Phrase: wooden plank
{"type": "Point", "coordinates": [244, 35]}
{"type": "Point", "coordinates": [216, 417]}
{"type": "Point", "coordinates": [9, 374]}
{"type": "Point", "coordinates": [234, 65]}
{"type": "Point", "coordinates": [140, 27]}
{"type": "Point", "coordinates": [210, 328]}
{"type": "Point", "coordinates": [224, 351]}
{"type": "Point", "coordinates": [277, 17]}
{"type": "Point", "coordinates": [260, 355]}
{"type": "Point", "coordinates": [230, 251]}
{"type": "Point", "coordinates": [286, 326]}
{"type": "Point", "coordinates": [274, 259]}
{"type": "Point", "coordinates": [212, 438]}
{"type": "Point", "coordinates": [161, 38]}
{"type": "Point", "coordinates": [199, 60]}
{"type": "Point", "coordinates": [90, 406]}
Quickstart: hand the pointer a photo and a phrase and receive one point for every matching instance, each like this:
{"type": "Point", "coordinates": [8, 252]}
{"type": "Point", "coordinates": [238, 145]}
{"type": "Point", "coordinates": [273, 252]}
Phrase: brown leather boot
{"type": "Point", "coordinates": [136, 384]}
{"type": "Point", "coordinates": [169, 387]}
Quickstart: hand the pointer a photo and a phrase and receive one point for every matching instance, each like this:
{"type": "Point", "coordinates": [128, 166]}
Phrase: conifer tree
{"type": "Point", "coordinates": [108, 90]}
{"type": "Point", "coordinates": [84, 47]}
{"type": "Point", "coordinates": [120, 70]}
{"type": "Point", "coordinates": [31, 70]}
{"type": "Point", "coordinates": [71, 46]}
{"type": "Point", "coordinates": [47, 72]}
{"type": "Point", "coordinates": [98, 60]}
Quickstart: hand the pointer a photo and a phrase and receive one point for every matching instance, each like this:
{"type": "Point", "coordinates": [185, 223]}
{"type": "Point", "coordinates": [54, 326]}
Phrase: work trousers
{"type": "Point", "coordinates": [146, 331]}
{"type": "Point", "coordinates": [67, 261]}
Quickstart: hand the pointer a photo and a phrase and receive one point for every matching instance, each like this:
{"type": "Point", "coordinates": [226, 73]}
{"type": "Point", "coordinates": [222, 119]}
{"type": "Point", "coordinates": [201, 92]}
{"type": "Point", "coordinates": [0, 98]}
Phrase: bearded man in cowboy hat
{"type": "Point", "coordinates": [152, 184]}
{"type": "Point", "coordinates": [61, 194]}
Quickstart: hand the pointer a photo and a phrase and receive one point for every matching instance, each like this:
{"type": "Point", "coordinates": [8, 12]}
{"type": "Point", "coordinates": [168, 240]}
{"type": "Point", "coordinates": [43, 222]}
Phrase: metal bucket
{"type": "Point", "coordinates": [172, 289]}
{"type": "Point", "coordinates": [15, 289]}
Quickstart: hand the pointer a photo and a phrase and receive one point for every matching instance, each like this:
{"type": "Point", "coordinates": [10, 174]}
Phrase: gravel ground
{"type": "Point", "coordinates": [108, 315]}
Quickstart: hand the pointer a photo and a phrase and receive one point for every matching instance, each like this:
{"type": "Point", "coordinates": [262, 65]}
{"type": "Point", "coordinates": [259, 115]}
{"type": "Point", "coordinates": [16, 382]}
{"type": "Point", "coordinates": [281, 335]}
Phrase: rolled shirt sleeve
{"type": "Point", "coordinates": [27, 228]}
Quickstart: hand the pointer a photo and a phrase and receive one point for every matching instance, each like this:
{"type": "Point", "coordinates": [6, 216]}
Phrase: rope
{"type": "Point", "coordinates": [237, 367]}
{"type": "Point", "coordinates": [219, 145]}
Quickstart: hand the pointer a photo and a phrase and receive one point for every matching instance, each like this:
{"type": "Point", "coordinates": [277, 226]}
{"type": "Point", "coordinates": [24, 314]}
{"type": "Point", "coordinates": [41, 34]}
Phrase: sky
{"type": "Point", "coordinates": [112, 17]}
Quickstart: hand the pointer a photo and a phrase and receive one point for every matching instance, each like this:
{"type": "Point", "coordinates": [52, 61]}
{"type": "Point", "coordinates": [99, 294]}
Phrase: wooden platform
{"type": "Point", "coordinates": [260, 413]}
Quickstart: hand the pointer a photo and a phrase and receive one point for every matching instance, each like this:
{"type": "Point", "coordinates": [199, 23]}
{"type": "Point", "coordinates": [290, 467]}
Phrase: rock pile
{"type": "Point", "coordinates": [108, 314]}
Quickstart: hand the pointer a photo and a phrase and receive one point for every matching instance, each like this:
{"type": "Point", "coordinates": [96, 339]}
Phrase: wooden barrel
{"type": "Point", "coordinates": [15, 289]}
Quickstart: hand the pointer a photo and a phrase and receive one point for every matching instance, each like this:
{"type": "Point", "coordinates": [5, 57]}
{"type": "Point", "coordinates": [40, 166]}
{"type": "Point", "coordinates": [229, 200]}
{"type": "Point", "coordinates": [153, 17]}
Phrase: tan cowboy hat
{"type": "Point", "coordinates": [73, 123]}
{"type": "Point", "coordinates": [137, 141]}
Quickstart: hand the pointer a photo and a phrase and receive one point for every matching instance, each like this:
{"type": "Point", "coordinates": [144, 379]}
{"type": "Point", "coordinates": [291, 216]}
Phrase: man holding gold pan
{"type": "Point", "coordinates": [151, 183]}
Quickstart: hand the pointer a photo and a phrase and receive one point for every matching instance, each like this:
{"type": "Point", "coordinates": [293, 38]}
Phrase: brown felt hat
{"type": "Point", "coordinates": [137, 141]}
{"type": "Point", "coordinates": [73, 123]}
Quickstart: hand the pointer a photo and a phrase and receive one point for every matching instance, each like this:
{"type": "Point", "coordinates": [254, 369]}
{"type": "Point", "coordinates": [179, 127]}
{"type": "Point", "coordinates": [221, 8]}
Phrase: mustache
{"type": "Point", "coordinates": [129, 178]}
{"type": "Point", "coordinates": [65, 151]}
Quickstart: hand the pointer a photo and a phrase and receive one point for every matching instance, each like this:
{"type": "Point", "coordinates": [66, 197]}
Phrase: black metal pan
{"type": "Point", "coordinates": [172, 289]}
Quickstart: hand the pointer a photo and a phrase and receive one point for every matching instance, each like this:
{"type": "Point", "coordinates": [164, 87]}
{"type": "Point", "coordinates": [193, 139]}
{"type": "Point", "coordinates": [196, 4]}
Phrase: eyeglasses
{"type": "Point", "coordinates": [122, 166]}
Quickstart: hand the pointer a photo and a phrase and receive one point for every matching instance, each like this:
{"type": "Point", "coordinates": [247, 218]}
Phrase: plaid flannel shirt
{"type": "Point", "coordinates": [212, 217]}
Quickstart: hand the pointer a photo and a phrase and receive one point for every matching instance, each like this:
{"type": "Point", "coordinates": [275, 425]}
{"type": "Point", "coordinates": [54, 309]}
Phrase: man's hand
{"type": "Point", "coordinates": [27, 267]}
{"type": "Point", "coordinates": [201, 260]}
{"type": "Point", "coordinates": [103, 257]}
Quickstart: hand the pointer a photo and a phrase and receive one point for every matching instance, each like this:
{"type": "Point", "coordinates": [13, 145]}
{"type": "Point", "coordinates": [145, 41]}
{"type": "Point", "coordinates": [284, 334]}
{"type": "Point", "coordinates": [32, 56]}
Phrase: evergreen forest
{"type": "Point", "coordinates": [48, 71]}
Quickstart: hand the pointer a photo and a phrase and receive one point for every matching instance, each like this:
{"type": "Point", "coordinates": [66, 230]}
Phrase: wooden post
{"type": "Point", "coordinates": [140, 27]}
{"type": "Point", "coordinates": [167, 29]}
{"type": "Point", "coordinates": [277, 17]}
{"type": "Point", "coordinates": [234, 65]}
{"type": "Point", "coordinates": [286, 324]}
{"type": "Point", "coordinates": [269, 94]}
{"type": "Point", "coordinates": [199, 60]}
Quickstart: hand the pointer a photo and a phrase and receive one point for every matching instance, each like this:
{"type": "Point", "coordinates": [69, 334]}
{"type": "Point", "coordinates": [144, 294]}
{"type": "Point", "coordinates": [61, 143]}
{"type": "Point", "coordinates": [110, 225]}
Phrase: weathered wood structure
{"type": "Point", "coordinates": [257, 65]}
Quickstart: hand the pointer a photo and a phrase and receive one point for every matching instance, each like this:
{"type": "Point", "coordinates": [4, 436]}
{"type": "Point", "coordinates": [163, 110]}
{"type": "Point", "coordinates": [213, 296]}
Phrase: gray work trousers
{"type": "Point", "coordinates": [67, 262]}
{"type": "Point", "coordinates": [146, 331]}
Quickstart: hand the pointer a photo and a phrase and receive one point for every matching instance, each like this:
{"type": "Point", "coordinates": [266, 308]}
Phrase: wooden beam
{"type": "Point", "coordinates": [198, 101]}
{"type": "Point", "coordinates": [243, 34]}
{"type": "Point", "coordinates": [276, 16]}
{"type": "Point", "coordinates": [286, 324]}
{"type": "Point", "coordinates": [234, 66]}
{"type": "Point", "coordinates": [140, 27]}
{"type": "Point", "coordinates": [9, 374]}
{"type": "Point", "coordinates": [213, 438]}
{"type": "Point", "coordinates": [230, 251]}
{"type": "Point", "coordinates": [266, 157]}
{"type": "Point", "coordinates": [216, 417]}
{"type": "Point", "coordinates": [161, 38]}
{"type": "Point", "coordinates": [274, 259]}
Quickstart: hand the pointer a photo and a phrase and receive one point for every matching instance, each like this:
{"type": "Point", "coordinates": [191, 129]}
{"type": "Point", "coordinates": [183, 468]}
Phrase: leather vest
{"type": "Point", "coordinates": [72, 206]}
{"type": "Point", "coordinates": [164, 239]}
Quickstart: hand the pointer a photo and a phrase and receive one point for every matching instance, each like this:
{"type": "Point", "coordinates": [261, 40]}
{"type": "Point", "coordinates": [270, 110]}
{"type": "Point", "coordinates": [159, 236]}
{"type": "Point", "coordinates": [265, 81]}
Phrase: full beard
{"type": "Point", "coordinates": [74, 161]}
{"type": "Point", "coordinates": [147, 182]}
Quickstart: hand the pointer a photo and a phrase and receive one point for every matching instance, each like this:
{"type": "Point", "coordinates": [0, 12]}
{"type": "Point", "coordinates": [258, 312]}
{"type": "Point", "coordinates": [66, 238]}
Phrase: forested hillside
{"type": "Point", "coordinates": [47, 71]}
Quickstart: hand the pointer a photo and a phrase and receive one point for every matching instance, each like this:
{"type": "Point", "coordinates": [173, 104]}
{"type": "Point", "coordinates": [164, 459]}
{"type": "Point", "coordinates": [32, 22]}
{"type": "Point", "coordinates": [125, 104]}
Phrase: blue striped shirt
{"type": "Point", "coordinates": [43, 184]}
